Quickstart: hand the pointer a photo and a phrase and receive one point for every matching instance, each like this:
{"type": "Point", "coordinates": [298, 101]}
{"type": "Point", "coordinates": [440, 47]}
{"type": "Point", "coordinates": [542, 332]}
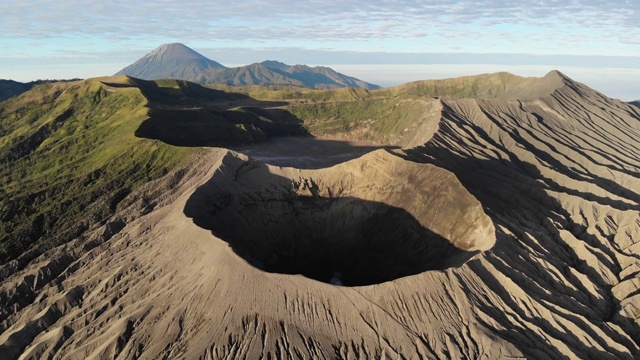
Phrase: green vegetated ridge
{"type": "Point", "coordinates": [386, 115]}
{"type": "Point", "coordinates": [68, 155]}
{"type": "Point", "coordinates": [496, 85]}
{"type": "Point", "coordinates": [71, 152]}
{"type": "Point", "coordinates": [376, 119]}
{"type": "Point", "coordinates": [485, 85]}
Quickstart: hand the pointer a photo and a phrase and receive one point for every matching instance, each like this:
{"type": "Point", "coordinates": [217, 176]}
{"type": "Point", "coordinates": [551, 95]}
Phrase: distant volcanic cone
{"type": "Point", "coordinates": [170, 61]}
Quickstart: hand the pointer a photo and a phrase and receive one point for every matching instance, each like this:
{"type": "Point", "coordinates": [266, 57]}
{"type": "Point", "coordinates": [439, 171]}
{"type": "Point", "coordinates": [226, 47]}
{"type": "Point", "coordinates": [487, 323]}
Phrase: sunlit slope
{"type": "Point", "coordinates": [68, 156]}
{"type": "Point", "coordinates": [559, 174]}
{"type": "Point", "coordinates": [538, 194]}
{"type": "Point", "coordinates": [70, 152]}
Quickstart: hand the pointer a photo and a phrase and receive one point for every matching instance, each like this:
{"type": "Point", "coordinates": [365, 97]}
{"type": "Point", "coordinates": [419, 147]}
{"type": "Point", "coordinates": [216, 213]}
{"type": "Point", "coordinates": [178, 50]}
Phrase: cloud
{"type": "Point", "coordinates": [321, 21]}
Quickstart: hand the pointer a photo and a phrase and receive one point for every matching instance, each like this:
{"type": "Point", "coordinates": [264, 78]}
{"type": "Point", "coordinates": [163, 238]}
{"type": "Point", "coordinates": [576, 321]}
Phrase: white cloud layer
{"type": "Point", "coordinates": [324, 21]}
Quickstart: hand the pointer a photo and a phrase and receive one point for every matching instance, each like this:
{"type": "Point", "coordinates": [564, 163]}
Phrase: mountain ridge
{"type": "Point", "coordinates": [177, 61]}
{"type": "Point", "coordinates": [11, 88]}
{"type": "Point", "coordinates": [493, 85]}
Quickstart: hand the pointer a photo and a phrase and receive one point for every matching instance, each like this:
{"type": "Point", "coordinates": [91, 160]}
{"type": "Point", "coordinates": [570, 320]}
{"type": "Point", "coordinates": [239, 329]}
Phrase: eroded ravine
{"type": "Point", "coordinates": [556, 173]}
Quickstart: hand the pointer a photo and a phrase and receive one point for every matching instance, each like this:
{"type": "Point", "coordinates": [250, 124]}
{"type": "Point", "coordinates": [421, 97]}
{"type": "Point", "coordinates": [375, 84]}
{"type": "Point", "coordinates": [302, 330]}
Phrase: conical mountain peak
{"type": "Point", "coordinates": [174, 51]}
{"type": "Point", "coordinates": [170, 61]}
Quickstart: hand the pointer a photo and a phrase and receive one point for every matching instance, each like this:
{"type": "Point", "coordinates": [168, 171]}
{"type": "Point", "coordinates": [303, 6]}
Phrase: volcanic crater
{"type": "Point", "coordinates": [367, 221]}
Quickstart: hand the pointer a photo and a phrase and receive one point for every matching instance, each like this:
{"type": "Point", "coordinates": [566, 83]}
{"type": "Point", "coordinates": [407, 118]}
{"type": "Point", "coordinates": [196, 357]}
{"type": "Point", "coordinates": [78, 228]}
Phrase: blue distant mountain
{"type": "Point", "coordinates": [170, 61]}
{"type": "Point", "coordinates": [177, 61]}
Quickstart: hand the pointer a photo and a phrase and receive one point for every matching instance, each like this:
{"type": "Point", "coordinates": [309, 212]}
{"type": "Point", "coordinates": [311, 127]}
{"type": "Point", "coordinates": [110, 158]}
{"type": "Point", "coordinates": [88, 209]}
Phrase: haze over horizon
{"type": "Point", "coordinates": [384, 43]}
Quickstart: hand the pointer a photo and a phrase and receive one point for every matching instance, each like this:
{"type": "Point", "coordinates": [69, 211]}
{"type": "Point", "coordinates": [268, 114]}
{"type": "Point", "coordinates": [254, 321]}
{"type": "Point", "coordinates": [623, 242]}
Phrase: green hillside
{"type": "Point", "coordinates": [496, 85]}
{"type": "Point", "coordinates": [389, 115]}
{"type": "Point", "coordinates": [68, 156]}
{"type": "Point", "coordinates": [71, 152]}
{"type": "Point", "coordinates": [377, 119]}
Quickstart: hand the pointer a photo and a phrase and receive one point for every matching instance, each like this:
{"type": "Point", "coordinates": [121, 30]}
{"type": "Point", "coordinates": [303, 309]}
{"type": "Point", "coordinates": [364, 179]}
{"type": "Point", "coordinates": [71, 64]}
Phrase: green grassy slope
{"type": "Point", "coordinates": [384, 115]}
{"type": "Point", "coordinates": [494, 85]}
{"type": "Point", "coordinates": [71, 152]}
{"type": "Point", "coordinates": [377, 119]}
{"type": "Point", "coordinates": [467, 86]}
{"type": "Point", "coordinates": [68, 155]}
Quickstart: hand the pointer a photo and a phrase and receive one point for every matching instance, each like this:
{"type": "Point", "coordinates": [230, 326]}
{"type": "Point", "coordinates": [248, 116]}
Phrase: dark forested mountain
{"type": "Point", "coordinates": [318, 76]}
{"type": "Point", "coordinates": [9, 88]}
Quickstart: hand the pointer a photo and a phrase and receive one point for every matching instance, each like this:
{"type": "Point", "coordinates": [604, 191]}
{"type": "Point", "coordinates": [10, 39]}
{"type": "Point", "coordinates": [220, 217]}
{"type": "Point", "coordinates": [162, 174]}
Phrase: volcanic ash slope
{"type": "Point", "coordinates": [167, 286]}
{"type": "Point", "coordinates": [558, 171]}
{"type": "Point", "coordinates": [513, 232]}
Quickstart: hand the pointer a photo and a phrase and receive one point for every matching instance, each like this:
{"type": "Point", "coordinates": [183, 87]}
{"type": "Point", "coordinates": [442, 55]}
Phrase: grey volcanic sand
{"type": "Point", "coordinates": [512, 231]}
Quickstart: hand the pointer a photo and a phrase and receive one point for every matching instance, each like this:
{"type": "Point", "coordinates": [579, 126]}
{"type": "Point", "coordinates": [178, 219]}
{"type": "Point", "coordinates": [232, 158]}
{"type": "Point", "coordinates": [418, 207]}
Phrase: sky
{"type": "Point", "coordinates": [596, 42]}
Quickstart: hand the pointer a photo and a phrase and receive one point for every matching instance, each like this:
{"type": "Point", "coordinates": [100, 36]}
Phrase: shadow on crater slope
{"type": "Point", "coordinates": [187, 114]}
{"type": "Point", "coordinates": [314, 224]}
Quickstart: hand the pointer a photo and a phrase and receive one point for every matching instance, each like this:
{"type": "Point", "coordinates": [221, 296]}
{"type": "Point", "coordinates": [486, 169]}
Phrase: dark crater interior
{"type": "Point", "coordinates": [344, 241]}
